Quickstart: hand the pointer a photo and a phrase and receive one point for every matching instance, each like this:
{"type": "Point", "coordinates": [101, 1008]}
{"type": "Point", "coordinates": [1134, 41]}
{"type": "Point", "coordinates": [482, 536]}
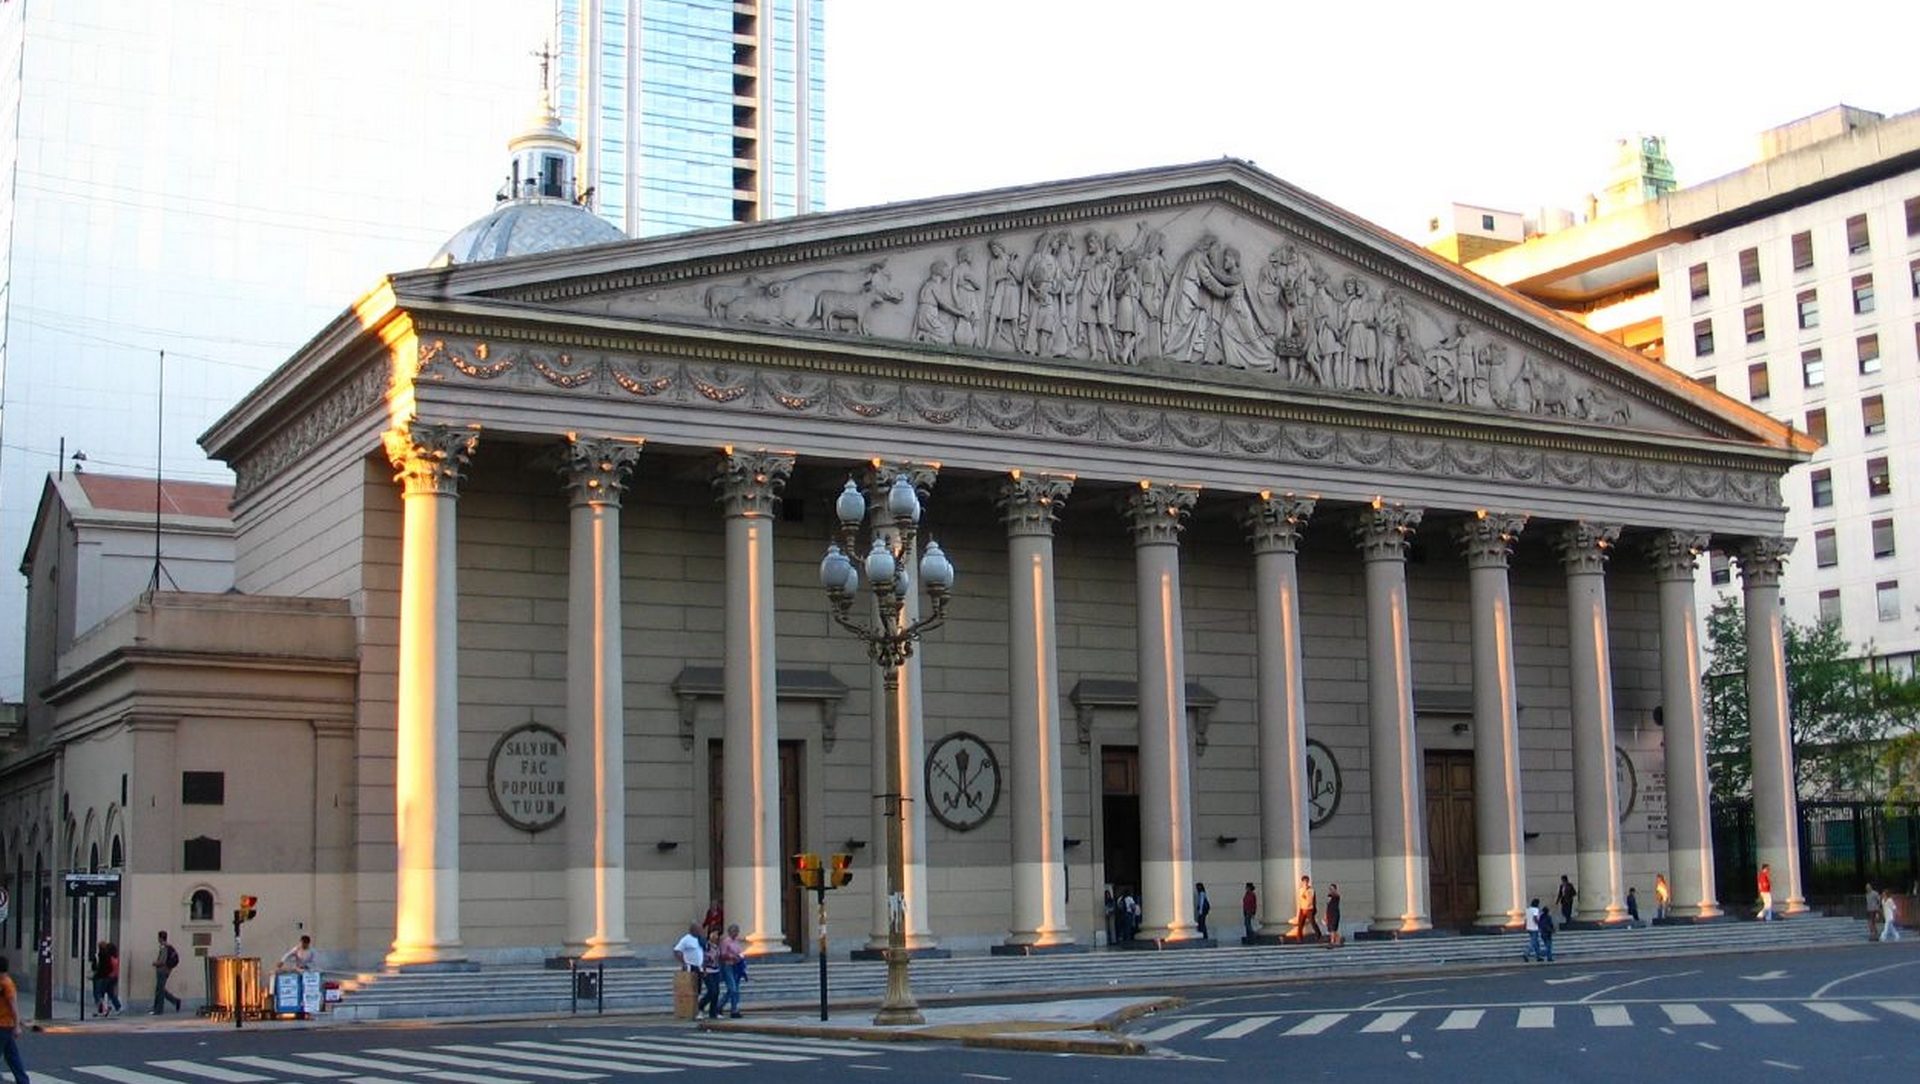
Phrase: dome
{"type": "Point", "coordinates": [524, 227]}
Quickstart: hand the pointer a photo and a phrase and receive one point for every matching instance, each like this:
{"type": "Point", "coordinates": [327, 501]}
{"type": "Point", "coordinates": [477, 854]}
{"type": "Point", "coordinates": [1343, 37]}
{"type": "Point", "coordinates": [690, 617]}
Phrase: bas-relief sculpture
{"type": "Point", "coordinates": [1178, 292]}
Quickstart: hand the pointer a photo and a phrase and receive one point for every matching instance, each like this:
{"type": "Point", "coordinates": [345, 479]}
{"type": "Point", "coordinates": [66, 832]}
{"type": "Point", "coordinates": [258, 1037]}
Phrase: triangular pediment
{"type": "Point", "coordinates": [1215, 274]}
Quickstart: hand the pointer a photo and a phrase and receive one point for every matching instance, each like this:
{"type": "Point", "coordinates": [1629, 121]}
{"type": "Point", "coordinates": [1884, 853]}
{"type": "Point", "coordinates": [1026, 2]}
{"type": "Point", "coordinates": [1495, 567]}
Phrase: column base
{"type": "Point", "coordinates": [430, 966]}
{"type": "Point", "coordinates": [1288, 939]}
{"type": "Point", "coordinates": [1058, 948]}
{"type": "Point", "coordinates": [1371, 934]}
{"type": "Point", "coordinates": [588, 963]}
{"type": "Point", "coordinates": [925, 952]}
{"type": "Point", "coordinates": [429, 958]}
{"type": "Point", "coordinates": [1147, 944]}
{"type": "Point", "coordinates": [1690, 920]}
{"type": "Point", "coordinates": [1494, 927]}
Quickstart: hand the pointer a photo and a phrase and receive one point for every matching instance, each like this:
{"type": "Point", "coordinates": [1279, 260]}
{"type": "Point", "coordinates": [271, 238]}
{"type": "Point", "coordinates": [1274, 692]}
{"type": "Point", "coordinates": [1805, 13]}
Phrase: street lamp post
{"type": "Point", "coordinates": [889, 642]}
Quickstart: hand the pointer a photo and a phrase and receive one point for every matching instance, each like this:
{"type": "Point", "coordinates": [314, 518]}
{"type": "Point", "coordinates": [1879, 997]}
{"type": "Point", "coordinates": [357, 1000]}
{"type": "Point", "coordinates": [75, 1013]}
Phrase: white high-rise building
{"type": "Point", "coordinates": [209, 179]}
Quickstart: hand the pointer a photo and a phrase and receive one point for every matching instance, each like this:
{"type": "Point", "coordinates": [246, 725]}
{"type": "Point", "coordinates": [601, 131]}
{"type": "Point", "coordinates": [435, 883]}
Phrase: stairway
{"type": "Point", "coordinates": [793, 982]}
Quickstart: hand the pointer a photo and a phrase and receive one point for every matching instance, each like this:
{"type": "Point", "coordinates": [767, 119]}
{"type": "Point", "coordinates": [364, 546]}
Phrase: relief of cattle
{"type": "Point", "coordinates": [834, 300]}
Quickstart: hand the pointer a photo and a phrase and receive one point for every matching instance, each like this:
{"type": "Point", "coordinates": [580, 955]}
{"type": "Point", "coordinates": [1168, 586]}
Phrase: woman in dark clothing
{"type": "Point", "coordinates": [1333, 915]}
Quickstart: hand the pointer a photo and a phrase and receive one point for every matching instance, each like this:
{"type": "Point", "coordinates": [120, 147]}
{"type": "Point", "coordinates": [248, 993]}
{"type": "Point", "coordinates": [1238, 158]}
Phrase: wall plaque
{"type": "Point", "coordinates": [527, 777]}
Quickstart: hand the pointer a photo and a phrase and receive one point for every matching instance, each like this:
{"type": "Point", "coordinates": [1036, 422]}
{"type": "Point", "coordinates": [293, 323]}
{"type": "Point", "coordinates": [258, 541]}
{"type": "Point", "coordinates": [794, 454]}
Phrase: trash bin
{"type": "Point", "coordinates": [686, 994]}
{"type": "Point", "coordinates": [586, 985]}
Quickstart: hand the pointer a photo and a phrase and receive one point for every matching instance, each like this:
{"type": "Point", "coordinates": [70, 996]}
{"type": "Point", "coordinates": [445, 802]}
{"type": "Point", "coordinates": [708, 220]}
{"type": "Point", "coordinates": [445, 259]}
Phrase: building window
{"type": "Point", "coordinates": [1886, 596]}
{"type": "Point", "coordinates": [1913, 273]}
{"type": "Point", "coordinates": [1697, 281]}
{"type": "Point", "coordinates": [1758, 386]}
{"type": "Point", "coordinates": [1813, 368]}
{"type": "Point", "coordinates": [1863, 294]}
{"type": "Point", "coordinates": [1883, 538]}
{"type": "Point", "coordinates": [1913, 217]}
{"type": "Point", "coordinates": [1756, 321]}
{"type": "Point", "coordinates": [203, 788]}
{"type": "Point", "coordinates": [1823, 488]}
{"type": "Point", "coordinates": [1826, 548]}
{"type": "Point", "coordinates": [1719, 569]}
{"type": "Point", "coordinates": [1808, 305]}
{"type": "Point", "coordinates": [1486, 222]}
{"type": "Point", "coordinates": [1803, 250]}
{"type": "Point", "coordinates": [1873, 415]}
{"type": "Point", "coordinates": [1867, 348]}
{"type": "Point", "coordinates": [200, 855]}
{"type": "Point", "coordinates": [1857, 239]}
{"type": "Point", "coordinates": [1817, 424]}
{"type": "Point", "coordinates": [200, 906]}
{"type": "Point", "coordinates": [1710, 381]}
{"type": "Point", "coordinates": [1702, 338]}
{"type": "Point", "coordinates": [1749, 267]}
{"type": "Point", "coordinates": [1879, 477]}
{"type": "Point", "coordinates": [1830, 606]}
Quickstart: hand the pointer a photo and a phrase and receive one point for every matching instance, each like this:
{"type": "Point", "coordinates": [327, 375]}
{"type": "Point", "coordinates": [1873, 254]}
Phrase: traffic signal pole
{"type": "Point", "coordinates": [808, 873]}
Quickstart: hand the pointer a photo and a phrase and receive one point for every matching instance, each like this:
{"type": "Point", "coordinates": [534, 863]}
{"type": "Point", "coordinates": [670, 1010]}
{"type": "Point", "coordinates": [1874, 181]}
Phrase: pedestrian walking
{"type": "Point", "coordinates": [1564, 897]}
{"type": "Point", "coordinates": [733, 969]}
{"type": "Point", "coordinates": [1306, 912]}
{"type": "Point", "coordinates": [1873, 912]}
{"type": "Point", "coordinates": [165, 959]}
{"type": "Point", "coordinates": [1113, 928]}
{"type": "Point", "coordinates": [1130, 908]}
{"type": "Point", "coordinates": [1633, 910]}
{"type": "Point", "coordinates": [106, 979]}
{"type": "Point", "coordinates": [10, 1026]}
{"type": "Point", "coordinates": [710, 977]}
{"type": "Point", "coordinates": [1202, 907]}
{"type": "Point", "coordinates": [1763, 881]}
{"type": "Point", "coordinates": [1534, 950]}
{"type": "Point", "coordinates": [1662, 896]}
{"type": "Point", "coordinates": [1333, 916]}
{"type": "Point", "coordinates": [1546, 934]}
{"type": "Point", "coordinates": [1249, 906]}
{"type": "Point", "coordinates": [715, 920]}
{"type": "Point", "coordinates": [1889, 918]}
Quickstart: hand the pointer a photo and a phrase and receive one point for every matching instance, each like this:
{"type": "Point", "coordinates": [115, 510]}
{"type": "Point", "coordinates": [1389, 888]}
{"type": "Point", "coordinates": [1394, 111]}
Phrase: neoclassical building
{"type": "Point", "coordinates": [1283, 547]}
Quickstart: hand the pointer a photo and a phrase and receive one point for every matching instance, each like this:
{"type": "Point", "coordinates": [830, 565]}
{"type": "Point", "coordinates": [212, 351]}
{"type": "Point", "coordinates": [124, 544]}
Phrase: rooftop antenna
{"type": "Point", "coordinates": [159, 473]}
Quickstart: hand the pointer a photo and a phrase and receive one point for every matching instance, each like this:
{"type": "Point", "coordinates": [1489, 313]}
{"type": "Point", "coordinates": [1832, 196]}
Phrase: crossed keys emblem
{"type": "Point", "coordinates": [964, 781]}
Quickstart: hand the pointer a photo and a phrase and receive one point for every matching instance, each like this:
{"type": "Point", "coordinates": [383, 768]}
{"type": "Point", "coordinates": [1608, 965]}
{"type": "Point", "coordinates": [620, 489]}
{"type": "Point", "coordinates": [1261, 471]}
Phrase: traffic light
{"type": "Point", "coordinates": [246, 912]}
{"type": "Point", "coordinates": [806, 871]}
{"type": "Point", "coordinates": [842, 871]}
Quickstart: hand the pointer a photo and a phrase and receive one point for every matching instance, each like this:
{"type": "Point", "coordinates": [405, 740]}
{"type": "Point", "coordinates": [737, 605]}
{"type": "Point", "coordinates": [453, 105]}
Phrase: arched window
{"type": "Point", "coordinates": [200, 906]}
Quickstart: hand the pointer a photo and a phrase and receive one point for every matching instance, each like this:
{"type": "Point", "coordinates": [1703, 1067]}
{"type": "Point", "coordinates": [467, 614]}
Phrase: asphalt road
{"type": "Point", "coordinates": [1848, 1013]}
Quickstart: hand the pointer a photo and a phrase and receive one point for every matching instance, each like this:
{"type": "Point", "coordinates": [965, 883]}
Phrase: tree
{"type": "Point", "coordinates": [1842, 713]}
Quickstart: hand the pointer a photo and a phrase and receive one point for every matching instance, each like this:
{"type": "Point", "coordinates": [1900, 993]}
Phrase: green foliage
{"type": "Point", "coordinates": [1851, 726]}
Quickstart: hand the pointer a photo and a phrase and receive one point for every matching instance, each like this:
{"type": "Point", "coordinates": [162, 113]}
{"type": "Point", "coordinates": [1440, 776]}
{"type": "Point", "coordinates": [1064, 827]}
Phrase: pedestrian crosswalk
{"type": "Point", "coordinates": [510, 1061]}
{"type": "Point", "coordinates": [1529, 1017]}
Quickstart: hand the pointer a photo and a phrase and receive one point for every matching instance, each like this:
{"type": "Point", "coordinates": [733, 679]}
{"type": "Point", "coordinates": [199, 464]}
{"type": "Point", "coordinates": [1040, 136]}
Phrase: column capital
{"type": "Point", "coordinates": [1762, 560]}
{"type": "Point", "coordinates": [1029, 503]}
{"type": "Point", "coordinates": [1157, 512]}
{"type": "Point", "coordinates": [1487, 539]}
{"type": "Point", "coordinates": [748, 483]}
{"type": "Point", "coordinates": [428, 457]}
{"type": "Point", "coordinates": [1584, 547]}
{"type": "Point", "coordinates": [881, 474]}
{"type": "Point", "coordinates": [1381, 530]}
{"type": "Point", "coordinates": [596, 468]}
{"type": "Point", "coordinates": [1274, 522]}
{"type": "Point", "coordinates": [1674, 554]}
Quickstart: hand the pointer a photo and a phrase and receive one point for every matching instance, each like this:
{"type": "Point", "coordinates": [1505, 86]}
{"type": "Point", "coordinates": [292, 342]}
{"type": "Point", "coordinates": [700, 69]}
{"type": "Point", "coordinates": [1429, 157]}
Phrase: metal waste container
{"type": "Point", "coordinates": [223, 972]}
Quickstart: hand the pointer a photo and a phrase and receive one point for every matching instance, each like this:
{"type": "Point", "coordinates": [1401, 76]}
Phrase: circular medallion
{"type": "Point", "coordinates": [1626, 785]}
{"type": "Point", "coordinates": [527, 777]}
{"type": "Point", "coordinates": [1323, 784]}
{"type": "Point", "coordinates": [963, 781]}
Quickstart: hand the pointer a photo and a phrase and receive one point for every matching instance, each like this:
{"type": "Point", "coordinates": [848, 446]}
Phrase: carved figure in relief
{"type": "Point", "coordinates": [846, 310]}
{"type": "Point", "coordinates": [1451, 364]}
{"type": "Point", "coordinates": [1192, 302]}
{"type": "Point", "coordinates": [1362, 337]}
{"type": "Point", "coordinates": [1003, 298]}
{"type": "Point", "coordinates": [1156, 278]}
{"type": "Point", "coordinates": [1245, 340]}
{"type": "Point", "coordinates": [1042, 298]}
{"type": "Point", "coordinates": [1096, 299]}
{"type": "Point", "coordinates": [935, 316]}
{"type": "Point", "coordinates": [964, 292]}
{"type": "Point", "coordinates": [1406, 368]}
{"type": "Point", "coordinates": [1329, 350]}
{"type": "Point", "coordinates": [793, 302]}
{"type": "Point", "coordinates": [721, 297]}
{"type": "Point", "coordinates": [1070, 270]}
{"type": "Point", "coordinates": [1598, 404]}
{"type": "Point", "coordinates": [1128, 315]}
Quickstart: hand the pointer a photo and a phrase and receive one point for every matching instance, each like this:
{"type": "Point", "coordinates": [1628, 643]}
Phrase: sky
{"type": "Point", "coordinates": [1387, 108]}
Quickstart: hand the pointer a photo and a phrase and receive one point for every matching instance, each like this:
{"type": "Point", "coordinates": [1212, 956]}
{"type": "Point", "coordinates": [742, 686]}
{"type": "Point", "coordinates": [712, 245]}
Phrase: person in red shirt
{"type": "Point", "coordinates": [1249, 906]}
{"type": "Point", "coordinates": [10, 1025]}
{"type": "Point", "coordinates": [716, 920]}
{"type": "Point", "coordinates": [1765, 883]}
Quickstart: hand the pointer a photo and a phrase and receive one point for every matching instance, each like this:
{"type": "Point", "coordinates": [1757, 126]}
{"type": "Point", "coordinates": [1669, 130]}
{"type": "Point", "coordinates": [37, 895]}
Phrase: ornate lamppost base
{"type": "Point", "coordinates": [899, 1007]}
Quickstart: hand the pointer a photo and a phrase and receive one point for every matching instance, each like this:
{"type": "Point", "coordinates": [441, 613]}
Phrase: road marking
{"type": "Point", "coordinates": [1822, 992]}
{"type": "Point", "coordinates": [122, 1076]}
{"type": "Point", "coordinates": [1598, 994]}
{"type": "Point", "coordinates": [1904, 1008]}
{"type": "Point", "coordinates": [1462, 1020]}
{"type": "Point", "coordinates": [694, 1045]}
{"type": "Point", "coordinates": [352, 1062]}
{"type": "Point", "coordinates": [211, 1072]}
{"type": "Point", "coordinates": [276, 1065]}
{"type": "Point", "coordinates": [1683, 1014]}
{"type": "Point", "coordinates": [1387, 1022]}
{"type": "Point", "coordinates": [1706, 1046]}
{"type": "Point", "coordinates": [457, 1077]}
{"type": "Point", "coordinates": [49, 1078]}
{"type": "Point", "coordinates": [1761, 1014]}
{"type": "Point", "coordinates": [1780, 1064]}
{"type": "Point", "coordinates": [699, 1060]}
{"type": "Point", "coordinates": [1178, 1027]}
{"type": "Point", "coordinates": [1765, 976]}
{"type": "Point", "coordinates": [798, 1044]}
{"type": "Point", "coordinates": [1536, 1016]}
{"type": "Point", "coordinates": [1243, 1028]}
{"type": "Point", "coordinates": [1833, 1010]}
{"type": "Point", "coordinates": [983, 1076]}
{"type": "Point", "coordinates": [517, 1056]}
{"type": "Point", "coordinates": [1317, 1023]}
{"type": "Point", "coordinates": [437, 1058]}
{"type": "Point", "coordinates": [1611, 1016]}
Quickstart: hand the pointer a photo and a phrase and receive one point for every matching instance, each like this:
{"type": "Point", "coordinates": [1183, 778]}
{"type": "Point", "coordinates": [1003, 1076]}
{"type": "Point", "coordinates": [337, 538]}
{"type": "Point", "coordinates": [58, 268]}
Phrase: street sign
{"type": "Point", "coordinates": [92, 886]}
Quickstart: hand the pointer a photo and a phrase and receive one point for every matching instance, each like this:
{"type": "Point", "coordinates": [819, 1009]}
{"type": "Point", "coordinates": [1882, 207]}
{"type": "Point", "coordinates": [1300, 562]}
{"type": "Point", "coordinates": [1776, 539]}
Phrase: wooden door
{"type": "Point", "coordinates": [1120, 816]}
{"type": "Point", "coordinates": [1453, 865]}
{"type": "Point", "coordinates": [792, 898]}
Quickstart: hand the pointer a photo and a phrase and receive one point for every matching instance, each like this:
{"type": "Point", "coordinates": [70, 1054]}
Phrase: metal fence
{"type": "Point", "coordinates": [1843, 845]}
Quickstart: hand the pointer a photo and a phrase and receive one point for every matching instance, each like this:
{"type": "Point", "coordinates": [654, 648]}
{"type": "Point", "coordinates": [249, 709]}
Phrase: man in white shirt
{"type": "Point", "coordinates": [1534, 950]}
{"type": "Point", "coordinates": [690, 950]}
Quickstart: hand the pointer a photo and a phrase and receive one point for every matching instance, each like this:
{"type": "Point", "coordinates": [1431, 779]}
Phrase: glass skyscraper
{"type": "Point", "coordinates": [695, 113]}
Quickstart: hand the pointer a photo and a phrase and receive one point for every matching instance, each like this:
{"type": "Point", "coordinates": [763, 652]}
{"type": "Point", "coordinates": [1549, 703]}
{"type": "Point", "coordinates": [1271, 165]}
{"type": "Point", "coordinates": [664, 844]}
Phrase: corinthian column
{"type": "Point", "coordinates": [747, 484]}
{"type": "Point", "coordinates": [1487, 541]}
{"type": "Point", "coordinates": [1029, 504]}
{"type": "Point", "coordinates": [1584, 548]}
{"type": "Point", "coordinates": [428, 460]}
{"type": "Point", "coordinates": [1274, 524]}
{"type": "Point", "coordinates": [595, 471]}
{"type": "Point", "coordinates": [1157, 514]}
{"type": "Point", "coordinates": [1397, 797]}
{"type": "Point", "coordinates": [1689, 813]}
{"type": "Point", "coordinates": [912, 785]}
{"type": "Point", "coordinates": [1776, 813]}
